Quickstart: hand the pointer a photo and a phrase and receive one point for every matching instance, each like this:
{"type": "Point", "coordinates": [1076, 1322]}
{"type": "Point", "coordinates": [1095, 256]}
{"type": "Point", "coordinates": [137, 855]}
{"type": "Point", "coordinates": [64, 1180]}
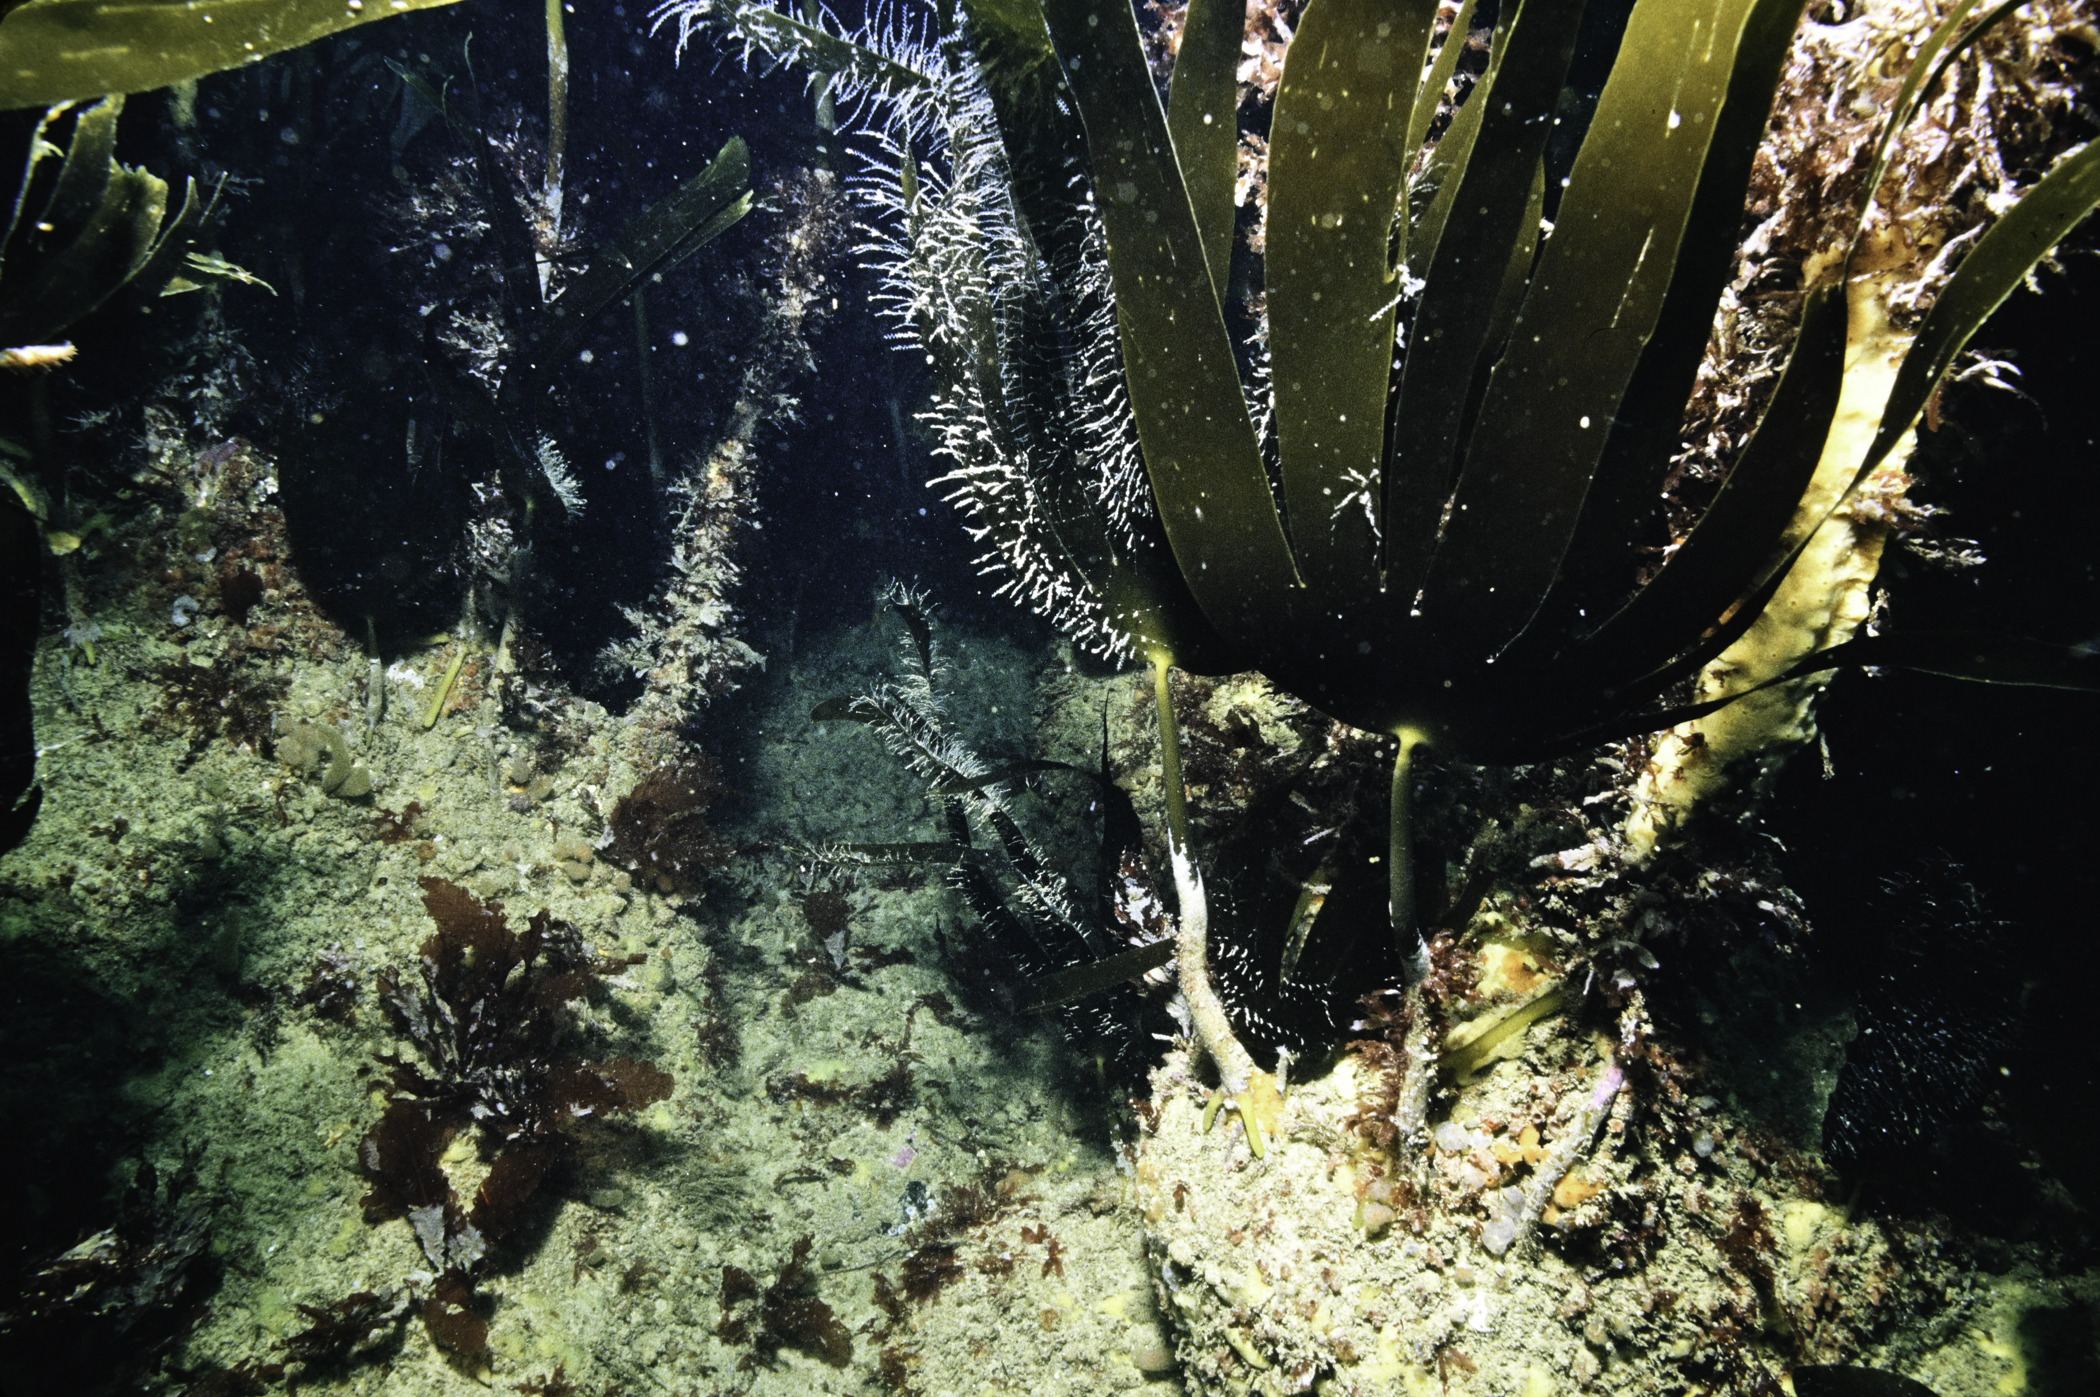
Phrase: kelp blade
{"type": "Point", "coordinates": [1599, 290]}
{"type": "Point", "coordinates": [1913, 91]}
{"type": "Point", "coordinates": [1431, 194]}
{"type": "Point", "coordinates": [666, 234]}
{"type": "Point", "coordinates": [1065, 986]}
{"type": "Point", "coordinates": [1719, 564]}
{"type": "Point", "coordinates": [1737, 544]}
{"type": "Point", "coordinates": [1983, 657]}
{"type": "Point", "coordinates": [1200, 450]}
{"type": "Point", "coordinates": [1336, 170]}
{"type": "Point", "coordinates": [69, 50]}
{"type": "Point", "coordinates": [1998, 264]}
{"type": "Point", "coordinates": [102, 226]}
{"type": "Point", "coordinates": [1476, 225]}
{"type": "Point", "coordinates": [1994, 268]}
{"type": "Point", "coordinates": [1203, 118]}
{"type": "Point", "coordinates": [1622, 515]}
{"type": "Point", "coordinates": [1431, 95]}
{"type": "Point", "coordinates": [90, 162]}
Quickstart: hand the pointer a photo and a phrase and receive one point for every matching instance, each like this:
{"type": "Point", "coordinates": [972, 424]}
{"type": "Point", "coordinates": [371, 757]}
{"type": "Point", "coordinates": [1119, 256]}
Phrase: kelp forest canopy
{"type": "Point", "coordinates": [1330, 373]}
{"type": "Point", "coordinates": [1206, 435]}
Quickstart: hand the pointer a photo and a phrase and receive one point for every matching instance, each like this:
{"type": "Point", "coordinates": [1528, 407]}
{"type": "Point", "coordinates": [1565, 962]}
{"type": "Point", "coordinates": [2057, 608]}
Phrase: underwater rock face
{"type": "Point", "coordinates": [842, 1076]}
{"type": "Point", "coordinates": [1686, 1248]}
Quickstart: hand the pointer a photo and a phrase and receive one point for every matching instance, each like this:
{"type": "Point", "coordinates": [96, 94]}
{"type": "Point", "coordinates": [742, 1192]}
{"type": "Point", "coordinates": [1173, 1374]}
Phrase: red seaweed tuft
{"type": "Point", "coordinates": [660, 829]}
{"type": "Point", "coordinates": [489, 1015]}
{"type": "Point", "coordinates": [786, 1314]}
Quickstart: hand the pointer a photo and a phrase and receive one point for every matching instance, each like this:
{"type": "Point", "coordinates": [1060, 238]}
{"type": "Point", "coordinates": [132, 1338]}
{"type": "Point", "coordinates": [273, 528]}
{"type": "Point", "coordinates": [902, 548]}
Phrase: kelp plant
{"type": "Point", "coordinates": [1421, 488]}
{"type": "Point", "coordinates": [83, 226]}
{"type": "Point", "coordinates": [55, 51]}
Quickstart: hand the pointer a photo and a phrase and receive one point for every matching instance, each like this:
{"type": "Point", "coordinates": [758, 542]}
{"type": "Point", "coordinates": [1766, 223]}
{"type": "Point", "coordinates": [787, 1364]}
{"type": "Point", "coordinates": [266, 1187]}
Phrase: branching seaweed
{"type": "Point", "coordinates": [221, 700]}
{"type": "Point", "coordinates": [348, 1330]}
{"type": "Point", "coordinates": [489, 1016]}
{"type": "Point", "coordinates": [784, 1314]}
{"type": "Point", "coordinates": [333, 986]}
{"type": "Point", "coordinates": [660, 829]}
{"type": "Point", "coordinates": [1036, 928]}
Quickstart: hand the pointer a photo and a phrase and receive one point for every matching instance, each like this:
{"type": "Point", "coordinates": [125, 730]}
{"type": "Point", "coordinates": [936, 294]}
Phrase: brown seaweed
{"type": "Point", "coordinates": [489, 1015]}
{"type": "Point", "coordinates": [884, 1098]}
{"type": "Point", "coordinates": [221, 700]}
{"type": "Point", "coordinates": [351, 1328]}
{"type": "Point", "coordinates": [660, 830]}
{"type": "Point", "coordinates": [333, 986]}
{"type": "Point", "coordinates": [555, 1384]}
{"type": "Point", "coordinates": [928, 1269]}
{"type": "Point", "coordinates": [453, 1316]}
{"type": "Point", "coordinates": [785, 1314]}
{"type": "Point", "coordinates": [240, 592]}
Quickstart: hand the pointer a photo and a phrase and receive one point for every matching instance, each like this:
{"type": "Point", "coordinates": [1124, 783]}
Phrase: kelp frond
{"type": "Point", "coordinates": [68, 50]}
{"type": "Point", "coordinates": [83, 225]}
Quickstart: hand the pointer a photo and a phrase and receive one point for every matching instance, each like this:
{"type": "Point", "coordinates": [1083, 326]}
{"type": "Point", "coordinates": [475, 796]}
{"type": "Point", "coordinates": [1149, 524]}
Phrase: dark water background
{"type": "Point", "coordinates": [322, 145]}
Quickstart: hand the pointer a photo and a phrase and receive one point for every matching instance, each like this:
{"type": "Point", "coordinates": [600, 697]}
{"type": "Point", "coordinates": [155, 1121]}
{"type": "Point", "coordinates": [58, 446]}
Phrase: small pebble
{"type": "Point", "coordinates": [1149, 1351]}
